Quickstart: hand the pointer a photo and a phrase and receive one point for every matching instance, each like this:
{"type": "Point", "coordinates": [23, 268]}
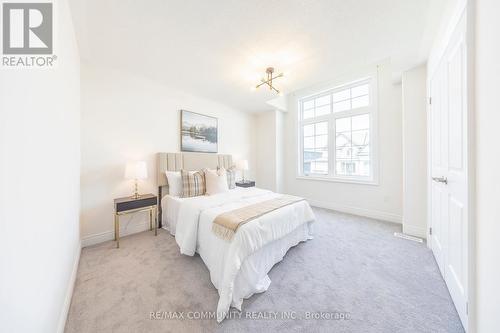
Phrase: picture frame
{"type": "Point", "coordinates": [199, 132]}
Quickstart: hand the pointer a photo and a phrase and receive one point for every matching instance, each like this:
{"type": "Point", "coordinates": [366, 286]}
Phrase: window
{"type": "Point", "coordinates": [352, 146]}
{"type": "Point", "coordinates": [336, 131]}
{"type": "Point", "coordinates": [315, 157]}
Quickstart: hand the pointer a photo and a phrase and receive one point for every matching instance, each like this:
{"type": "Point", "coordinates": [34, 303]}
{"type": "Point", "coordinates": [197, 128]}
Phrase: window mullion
{"type": "Point", "coordinates": [315, 120]}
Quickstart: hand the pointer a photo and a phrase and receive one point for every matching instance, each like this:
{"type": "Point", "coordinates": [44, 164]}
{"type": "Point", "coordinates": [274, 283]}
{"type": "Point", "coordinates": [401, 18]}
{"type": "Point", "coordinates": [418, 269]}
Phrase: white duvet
{"type": "Point", "coordinates": [225, 258]}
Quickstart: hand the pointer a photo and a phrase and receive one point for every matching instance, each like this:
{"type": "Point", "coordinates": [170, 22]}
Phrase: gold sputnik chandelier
{"type": "Point", "coordinates": [268, 80]}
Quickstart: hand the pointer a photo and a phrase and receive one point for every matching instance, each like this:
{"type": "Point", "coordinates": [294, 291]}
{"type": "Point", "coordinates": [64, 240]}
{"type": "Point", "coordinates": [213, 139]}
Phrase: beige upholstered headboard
{"type": "Point", "coordinates": [186, 161]}
{"type": "Point", "coordinates": [189, 161]}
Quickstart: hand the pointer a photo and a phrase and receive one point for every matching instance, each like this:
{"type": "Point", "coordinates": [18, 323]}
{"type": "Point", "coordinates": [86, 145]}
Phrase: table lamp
{"type": "Point", "coordinates": [243, 166]}
{"type": "Point", "coordinates": [136, 171]}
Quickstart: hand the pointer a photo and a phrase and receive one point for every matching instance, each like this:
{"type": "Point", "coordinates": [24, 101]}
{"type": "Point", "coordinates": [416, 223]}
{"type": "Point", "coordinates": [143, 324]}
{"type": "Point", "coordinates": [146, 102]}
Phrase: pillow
{"type": "Point", "coordinates": [231, 177]}
{"type": "Point", "coordinates": [216, 181]}
{"type": "Point", "coordinates": [193, 183]}
{"type": "Point", "coordinates": [174, 183]}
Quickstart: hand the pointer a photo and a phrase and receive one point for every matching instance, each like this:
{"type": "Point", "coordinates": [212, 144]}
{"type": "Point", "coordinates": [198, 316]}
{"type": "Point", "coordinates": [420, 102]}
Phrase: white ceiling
{"type": "Point", "coordinates": [219, 49]}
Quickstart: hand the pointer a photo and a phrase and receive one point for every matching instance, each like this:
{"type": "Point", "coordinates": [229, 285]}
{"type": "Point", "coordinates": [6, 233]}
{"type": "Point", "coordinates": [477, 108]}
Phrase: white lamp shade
{"type": "Point", "coordinates": [241, 165]}
{"type": "Point", "coordinates": [136, 170]}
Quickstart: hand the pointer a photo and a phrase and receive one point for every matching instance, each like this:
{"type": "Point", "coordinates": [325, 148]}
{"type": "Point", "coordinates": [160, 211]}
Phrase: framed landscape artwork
{"type": "Point", "coordinates": [198, 132]}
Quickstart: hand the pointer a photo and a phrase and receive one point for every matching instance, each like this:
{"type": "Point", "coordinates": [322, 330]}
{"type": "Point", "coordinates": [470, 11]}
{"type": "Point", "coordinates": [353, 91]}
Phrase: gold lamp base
{"type": "Point", "coordinates": [136, 194]}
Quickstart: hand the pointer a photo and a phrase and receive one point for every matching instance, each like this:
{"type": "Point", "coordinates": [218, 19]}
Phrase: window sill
{"type": "Point", "coordinates": [339, 180]}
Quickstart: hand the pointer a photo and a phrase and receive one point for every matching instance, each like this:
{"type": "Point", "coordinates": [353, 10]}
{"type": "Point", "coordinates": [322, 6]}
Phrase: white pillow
{"type": "Point", "coordinates": [174, 183]}
{"type": "Point", "coordinates": [216, 181]}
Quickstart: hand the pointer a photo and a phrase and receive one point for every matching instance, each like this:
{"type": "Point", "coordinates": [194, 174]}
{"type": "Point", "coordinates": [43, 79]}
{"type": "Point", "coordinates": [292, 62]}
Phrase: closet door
{"type": "Point", "coordinates": [449, 155]}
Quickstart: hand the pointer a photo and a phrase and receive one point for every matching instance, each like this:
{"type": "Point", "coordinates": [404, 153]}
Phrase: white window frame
{"type": "Point", "coordinates": [371, 109]}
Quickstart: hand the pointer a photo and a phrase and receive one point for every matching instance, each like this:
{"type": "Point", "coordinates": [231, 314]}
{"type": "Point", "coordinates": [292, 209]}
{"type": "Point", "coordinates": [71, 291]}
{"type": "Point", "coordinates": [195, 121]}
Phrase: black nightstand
{"type": "Point", "coordinates": [128, 205]}
{"type": "Point", "coordinates": [248, 183]}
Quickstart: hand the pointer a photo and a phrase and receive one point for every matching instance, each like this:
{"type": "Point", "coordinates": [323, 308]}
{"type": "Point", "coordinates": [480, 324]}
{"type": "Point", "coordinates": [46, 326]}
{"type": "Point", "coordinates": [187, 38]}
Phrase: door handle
{"type": "Point", "coordinates": [440, 180]}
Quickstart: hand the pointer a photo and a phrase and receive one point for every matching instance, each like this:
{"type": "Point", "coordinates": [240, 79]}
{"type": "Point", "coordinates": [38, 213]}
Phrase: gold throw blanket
{"type": "Point", "coordinates": [226, 224]}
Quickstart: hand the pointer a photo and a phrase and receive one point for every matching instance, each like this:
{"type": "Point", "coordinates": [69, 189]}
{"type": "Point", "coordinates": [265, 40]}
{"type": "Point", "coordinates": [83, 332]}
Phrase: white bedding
{"type": "Point", "coordinates": [238, 268]}
{"type": "Point", "coordinates": [170, 210]}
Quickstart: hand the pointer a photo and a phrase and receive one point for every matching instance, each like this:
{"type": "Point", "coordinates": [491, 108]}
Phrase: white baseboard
{"type": "Point", "coordinates": [414, 230]}
{"type": "Point", "coordinates": [110, 235]}
{"type": "Point", "coordinates": [69, 291]}
{"type": "Point", "coordinates": [374, 214]}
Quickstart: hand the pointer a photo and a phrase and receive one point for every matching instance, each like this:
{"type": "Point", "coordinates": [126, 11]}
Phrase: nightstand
{"type": "Point", "coordinates": [129, 205]}
{"type": "Point", "coordinates": [248, 183]}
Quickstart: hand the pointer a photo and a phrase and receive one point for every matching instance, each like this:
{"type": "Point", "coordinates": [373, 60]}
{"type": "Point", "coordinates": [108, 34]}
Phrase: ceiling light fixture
{"type": "Point", "coordinates": [269, 80]}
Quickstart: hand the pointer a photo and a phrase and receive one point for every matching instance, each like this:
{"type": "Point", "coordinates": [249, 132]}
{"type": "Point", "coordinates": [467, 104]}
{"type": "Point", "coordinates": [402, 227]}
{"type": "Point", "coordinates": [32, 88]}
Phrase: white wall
{"type": "Point", "coordinates": [383, 201]}
{"type": "Point", "coordinates": [266, 149]}
{"type": "Point", "coordinates": [125, 118]}
{"type": "Point", "coordinates": [487, 57]}
{"type": "Point", "coordinates": [415, 151]}
{"type": "Point", "coordinates": [39, 191]}
{"type": "Point", "coordinates": [280, 151]}
{"type": "Point", "coordinates": [270, 150]}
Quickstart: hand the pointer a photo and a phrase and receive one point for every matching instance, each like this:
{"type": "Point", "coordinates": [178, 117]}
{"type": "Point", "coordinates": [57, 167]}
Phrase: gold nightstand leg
{"type": "Point", "coordinates": [151, 219]}
{"type": "Point", "coordinates": [156, 222]}
{"type": "Point", "coordinates": [117, 230]}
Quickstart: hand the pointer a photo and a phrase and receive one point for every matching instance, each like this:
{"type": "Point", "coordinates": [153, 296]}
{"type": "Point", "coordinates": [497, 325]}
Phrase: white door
{"type": "Point", "coordinates": [449, 154]}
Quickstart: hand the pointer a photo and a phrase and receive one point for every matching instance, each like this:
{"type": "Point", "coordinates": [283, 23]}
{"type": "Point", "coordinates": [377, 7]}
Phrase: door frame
{"type": "Point", "coordinates": [465, 9]}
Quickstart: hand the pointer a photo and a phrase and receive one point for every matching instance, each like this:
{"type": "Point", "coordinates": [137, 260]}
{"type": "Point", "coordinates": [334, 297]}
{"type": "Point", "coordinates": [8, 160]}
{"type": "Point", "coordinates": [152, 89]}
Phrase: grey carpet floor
{"type": "Point", "coordinates": [355, 274]}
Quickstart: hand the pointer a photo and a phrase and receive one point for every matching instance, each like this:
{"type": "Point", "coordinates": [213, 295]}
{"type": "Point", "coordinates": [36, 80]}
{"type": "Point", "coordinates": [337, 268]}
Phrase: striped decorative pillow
{"type": "Point", "coordinates": [193, 183]}
{"type": "Point", "coordinates": [231, 177]}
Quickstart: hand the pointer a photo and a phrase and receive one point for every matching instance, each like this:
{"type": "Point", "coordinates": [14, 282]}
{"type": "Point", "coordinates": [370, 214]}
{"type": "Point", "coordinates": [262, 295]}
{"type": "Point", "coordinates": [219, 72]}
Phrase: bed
{"type": "Point", "coordinates": [239, 267]}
